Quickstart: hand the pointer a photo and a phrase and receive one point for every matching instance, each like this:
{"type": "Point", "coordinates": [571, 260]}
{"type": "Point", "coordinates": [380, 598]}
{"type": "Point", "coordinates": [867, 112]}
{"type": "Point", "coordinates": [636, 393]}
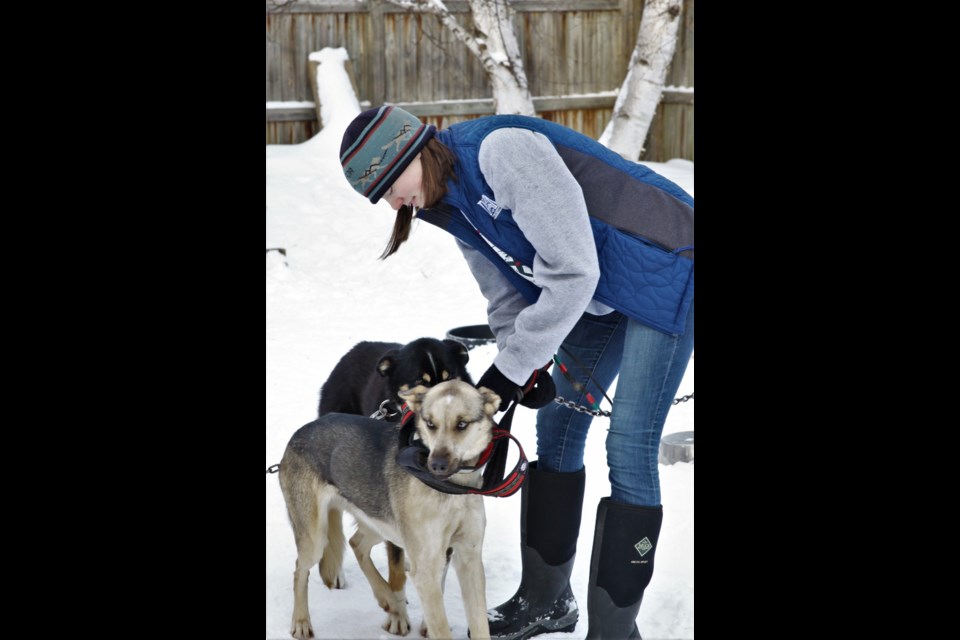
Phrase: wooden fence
{"type": "Point", "coordinates": [575, 53]}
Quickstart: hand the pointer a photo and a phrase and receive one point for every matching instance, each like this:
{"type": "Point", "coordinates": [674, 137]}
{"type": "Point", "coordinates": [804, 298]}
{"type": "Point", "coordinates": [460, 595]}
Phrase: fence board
{"type": "Point", "coordinates": [353, 6]}
{"type": "Point", "coordinates": [686, 135]}
{"type": "Point", "coordinates": [292, 114]}
{"type": "Point", "coordinates": [484, 106]}
{"type": "Point", "coordinates": [681, 67]}
{"type": "Point", "coordinates": [326, 6]}
{"type": "Point", "coordinates": [290, 132]}
{"type": "Point", "coordinates": [273, 54]}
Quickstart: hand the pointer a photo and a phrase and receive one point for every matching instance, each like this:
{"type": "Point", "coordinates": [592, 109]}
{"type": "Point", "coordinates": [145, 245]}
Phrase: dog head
{"type": "Point", "coordinates": [425, 362]}
{"type": "Point", "coordinates": [455, 422]}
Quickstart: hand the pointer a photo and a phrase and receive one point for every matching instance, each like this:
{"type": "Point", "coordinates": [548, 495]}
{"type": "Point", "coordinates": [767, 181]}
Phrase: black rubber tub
{"type": "Point", "coordinates": [473, 335]}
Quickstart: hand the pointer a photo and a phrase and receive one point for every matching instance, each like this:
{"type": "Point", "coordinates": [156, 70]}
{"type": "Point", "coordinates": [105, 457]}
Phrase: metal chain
{"type": "Point", "coordinates": [381, 413]}
{"type": "Point", "coordinates": [570, 404]}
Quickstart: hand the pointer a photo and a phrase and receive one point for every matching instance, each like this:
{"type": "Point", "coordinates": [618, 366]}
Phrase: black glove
{"type": "Point", "coordinates": [538, 391]}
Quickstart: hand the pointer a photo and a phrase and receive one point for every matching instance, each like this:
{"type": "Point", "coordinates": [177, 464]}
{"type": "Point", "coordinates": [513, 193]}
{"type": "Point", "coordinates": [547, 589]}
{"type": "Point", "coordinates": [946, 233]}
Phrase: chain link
{"type": "Point", "coordinates": [570, 404]}
{"type": "Point", "coordinates": [383, 412]}
{"type": "Point", "coordinates": [273, 468]}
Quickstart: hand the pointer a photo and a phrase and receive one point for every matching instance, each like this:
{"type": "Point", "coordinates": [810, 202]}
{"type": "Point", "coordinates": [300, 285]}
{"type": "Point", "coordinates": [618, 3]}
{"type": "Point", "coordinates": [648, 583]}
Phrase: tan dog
{"type": "Point", "coordinates": [346, 462]}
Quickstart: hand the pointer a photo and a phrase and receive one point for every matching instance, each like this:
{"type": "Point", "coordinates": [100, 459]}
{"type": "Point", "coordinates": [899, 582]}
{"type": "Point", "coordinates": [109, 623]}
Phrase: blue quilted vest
{"type": "Point", "coordinates": [647, 282]}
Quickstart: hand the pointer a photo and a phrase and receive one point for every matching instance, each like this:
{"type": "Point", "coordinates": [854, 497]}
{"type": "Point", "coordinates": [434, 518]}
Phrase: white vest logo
{"type": "Point", "coordinates": [521, 269]}
{"type": "Point", "coordinates": [643, 546]}
{"type": "Point", "coordinates": [490, 206]}
{"type": "Point", "coordinates": [516, 265]}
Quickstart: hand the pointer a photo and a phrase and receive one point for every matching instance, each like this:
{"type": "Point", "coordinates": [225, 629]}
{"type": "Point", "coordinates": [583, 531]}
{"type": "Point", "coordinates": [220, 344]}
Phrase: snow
{"type": "Point", "coordinates": [329, 292]}
{"type": "Point", "coordinates": [290, 104]}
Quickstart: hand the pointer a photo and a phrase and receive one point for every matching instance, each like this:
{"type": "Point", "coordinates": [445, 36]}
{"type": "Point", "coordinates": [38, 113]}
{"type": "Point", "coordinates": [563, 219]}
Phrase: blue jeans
{"type": "Point", "coordinates": [651, 365]}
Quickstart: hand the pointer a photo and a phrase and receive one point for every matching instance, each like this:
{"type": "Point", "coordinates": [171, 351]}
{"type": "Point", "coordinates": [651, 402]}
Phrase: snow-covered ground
{"type": "Point", "coordinates": [329, 292]}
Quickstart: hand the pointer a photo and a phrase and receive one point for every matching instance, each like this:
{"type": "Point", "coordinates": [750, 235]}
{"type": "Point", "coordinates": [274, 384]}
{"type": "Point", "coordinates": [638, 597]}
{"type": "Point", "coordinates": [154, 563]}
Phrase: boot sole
{"type": "Point", "coordinates": [566, 624]}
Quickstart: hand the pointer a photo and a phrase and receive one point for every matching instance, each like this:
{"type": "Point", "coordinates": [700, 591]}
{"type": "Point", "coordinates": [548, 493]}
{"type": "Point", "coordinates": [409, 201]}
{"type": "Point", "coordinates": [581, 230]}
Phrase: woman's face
{"type": "Point", "coordinates": [408, 188]}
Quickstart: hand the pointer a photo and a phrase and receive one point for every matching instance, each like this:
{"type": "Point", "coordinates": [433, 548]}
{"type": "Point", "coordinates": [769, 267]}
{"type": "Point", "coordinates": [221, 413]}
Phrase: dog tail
{"type": "Point", "coordinates": [331, 564]}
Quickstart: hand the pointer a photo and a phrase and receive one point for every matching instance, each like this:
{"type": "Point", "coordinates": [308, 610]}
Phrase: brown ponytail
{"type": "Point", "coordinates": [436, 161]}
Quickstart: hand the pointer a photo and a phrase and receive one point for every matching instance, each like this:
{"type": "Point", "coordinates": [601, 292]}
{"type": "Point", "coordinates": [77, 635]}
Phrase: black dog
{"type": "Point", "coordinates": [372, 372]}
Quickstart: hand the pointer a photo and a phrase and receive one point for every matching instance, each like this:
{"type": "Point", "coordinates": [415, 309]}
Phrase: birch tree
{"type": "Point", "coordinates": [493, 41]}
{"type": "Point", "coordinates": [640, 93]}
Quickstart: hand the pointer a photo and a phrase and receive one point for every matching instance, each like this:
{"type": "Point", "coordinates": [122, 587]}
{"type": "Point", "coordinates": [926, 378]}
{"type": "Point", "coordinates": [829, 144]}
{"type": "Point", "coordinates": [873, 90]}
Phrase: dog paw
{"type": "Point", "coordinates": [301, 629]}
{"type": "Point", "coordinates": [335, 581]}
{"type": "Point", "coordinates": [397, 624]}
{"type": "Point", "coordinates": [339, 582]}
{"type": "Point", "coordinates": [423, 629]}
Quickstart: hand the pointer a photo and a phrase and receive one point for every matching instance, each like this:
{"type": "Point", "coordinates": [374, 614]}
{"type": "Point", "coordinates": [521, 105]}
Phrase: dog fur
{"type": "Point", "coordinates": [372, 372]}
{"type": "Point", "coordinates": [343, 462]}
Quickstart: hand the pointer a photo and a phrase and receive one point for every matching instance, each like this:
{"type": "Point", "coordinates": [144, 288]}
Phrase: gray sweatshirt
{"type": "Point", "coordinates": [528, 176]}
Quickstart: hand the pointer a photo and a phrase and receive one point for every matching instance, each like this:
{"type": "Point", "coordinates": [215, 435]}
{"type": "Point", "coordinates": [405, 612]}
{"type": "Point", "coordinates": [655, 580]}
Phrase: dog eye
{"type": "Point", "coordinates": [430, 424]}
{"type": "Point", "coordinates": [461, 426]}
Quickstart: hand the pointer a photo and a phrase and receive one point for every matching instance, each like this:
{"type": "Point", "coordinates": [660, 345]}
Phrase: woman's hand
{"type": "Point", "coordinates": [538, 391]}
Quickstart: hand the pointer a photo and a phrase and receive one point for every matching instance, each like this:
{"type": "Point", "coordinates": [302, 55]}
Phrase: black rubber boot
{"type": "Point", "coordinates": [549, 525]}
{"type": "Point", "coordinates": [624, 544]}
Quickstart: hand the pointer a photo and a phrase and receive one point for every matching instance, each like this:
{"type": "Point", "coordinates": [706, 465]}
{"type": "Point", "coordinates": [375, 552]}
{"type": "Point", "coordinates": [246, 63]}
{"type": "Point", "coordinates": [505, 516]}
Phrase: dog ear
{"type": "Point", "coordinates": [386, 364]}
{"type": "Point", "coordinates": [459, 350]}
{"type": "Point", "coordinates": [491, 401]}
{"type": "Point", "coordinates": [414, 397]}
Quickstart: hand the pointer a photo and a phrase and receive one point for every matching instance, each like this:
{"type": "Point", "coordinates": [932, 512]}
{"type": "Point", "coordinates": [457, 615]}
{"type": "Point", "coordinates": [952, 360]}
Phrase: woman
{"type": "Point", "coordinates": [577, 251]}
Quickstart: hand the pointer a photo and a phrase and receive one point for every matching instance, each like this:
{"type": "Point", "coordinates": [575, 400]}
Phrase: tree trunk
{"type": "Point", "coordinates": [494, 43]}
{"type": "Point", "coordinates": [493, 22]}
{"type": "Point", "coordinates": [641, 89]}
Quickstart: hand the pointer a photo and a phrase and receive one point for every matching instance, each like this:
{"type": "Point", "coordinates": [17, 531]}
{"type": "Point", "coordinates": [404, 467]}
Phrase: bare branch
{"type": "Point", "coordinates": [490, 43]}
{"type": "Point", "coordinates": [437, 8]}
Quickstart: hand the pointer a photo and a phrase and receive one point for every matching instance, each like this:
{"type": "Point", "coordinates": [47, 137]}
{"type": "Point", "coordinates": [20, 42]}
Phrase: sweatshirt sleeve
{"type": "Point", "coordinates": [528, 176]}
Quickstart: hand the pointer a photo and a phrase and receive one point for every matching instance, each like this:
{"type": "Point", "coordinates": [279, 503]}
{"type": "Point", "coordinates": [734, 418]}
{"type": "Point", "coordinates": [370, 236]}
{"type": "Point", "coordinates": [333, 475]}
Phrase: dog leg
{"type": "Point", "coordinates": [398, 622]}
{"type": "Point", "coordinates": [468, 564]}
{"type": "Point", "coordinates": [307, 556]}
{"type": "Point", "coordinates": [331, 564]}
{"type": "Point", "coordinates": [443, 585]}
{"type": "Point", "coordinates": [427, 575]}
{"type": "Point", "coordinates": [308, 517]}
{"type": "Point", "coordinates": [390, 597]}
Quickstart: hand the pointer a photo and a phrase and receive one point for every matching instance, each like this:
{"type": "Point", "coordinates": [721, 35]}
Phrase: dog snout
{"type": "Point", "coordinates": [439, 464]}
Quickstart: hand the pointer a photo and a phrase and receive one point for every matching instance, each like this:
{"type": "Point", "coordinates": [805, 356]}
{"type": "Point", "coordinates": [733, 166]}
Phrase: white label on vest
{"type": "Point", "coordinates": [490, 206]}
